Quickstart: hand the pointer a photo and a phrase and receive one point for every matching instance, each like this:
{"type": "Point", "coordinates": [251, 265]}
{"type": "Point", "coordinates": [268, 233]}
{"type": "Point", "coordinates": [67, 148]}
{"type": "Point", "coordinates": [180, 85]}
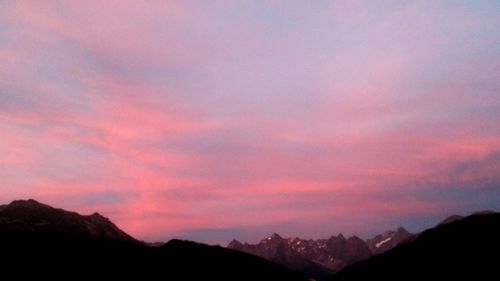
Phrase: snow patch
{"type": "Point", "coordinates": [383, 242]}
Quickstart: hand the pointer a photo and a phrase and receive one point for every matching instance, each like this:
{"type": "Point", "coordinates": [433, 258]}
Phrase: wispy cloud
{"type": "Point", "coordinates": [189, 118]}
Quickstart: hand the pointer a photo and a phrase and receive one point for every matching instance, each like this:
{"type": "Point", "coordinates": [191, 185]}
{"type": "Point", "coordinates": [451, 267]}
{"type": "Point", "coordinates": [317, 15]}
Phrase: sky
{"type": "Point", "coordinates": [214, 120]}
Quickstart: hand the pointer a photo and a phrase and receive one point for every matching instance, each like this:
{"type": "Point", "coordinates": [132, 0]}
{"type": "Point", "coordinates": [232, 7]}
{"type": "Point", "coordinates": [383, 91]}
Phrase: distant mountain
{"type": "Point", "coordinates": [390, 239]}
{"type": "Point", "coordinates": [460, 248]}
{"type": "Point", "coordinates": [348, 251]}
{"type": "Point", "coordinates": [284, 251]}
{"type": "Point", "coordinates": [319, 258]}
{"type": "Point", "coordinates": [38, 241]}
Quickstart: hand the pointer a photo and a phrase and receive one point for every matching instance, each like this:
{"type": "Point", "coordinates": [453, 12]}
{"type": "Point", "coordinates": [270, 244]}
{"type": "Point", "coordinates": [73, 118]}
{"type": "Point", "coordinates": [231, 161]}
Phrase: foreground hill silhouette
{"type": "Point", "coordinates": [39, 241]}
{"type": "Point", "coordinates": [458, 248]}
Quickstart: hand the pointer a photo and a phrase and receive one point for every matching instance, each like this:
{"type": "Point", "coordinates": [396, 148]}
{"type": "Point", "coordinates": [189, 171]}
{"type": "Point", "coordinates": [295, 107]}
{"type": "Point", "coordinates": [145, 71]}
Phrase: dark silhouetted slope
{"type": "Point", "coordinates": [38, 241]}
{"type": "Point", "coordinates": [29, 217]}
{"type": "Point", "coordinates": [451, 219]}
{"type": "Point", "coordinates": [460, 248]}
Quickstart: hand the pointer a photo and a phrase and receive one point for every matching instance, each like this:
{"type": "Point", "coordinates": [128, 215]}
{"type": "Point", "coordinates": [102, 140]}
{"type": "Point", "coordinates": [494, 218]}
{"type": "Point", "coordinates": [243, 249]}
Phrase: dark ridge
{"type": "Point", "coordinates": [451, 219]}
{"type": "Point", "coordinates": [23, 215]}
{"type": "Point", "coordinates": [484, 212]}
{"type": "Point", "coordinates": [38, 241]}
{"type": "Point", "coordinates": [464, 248]}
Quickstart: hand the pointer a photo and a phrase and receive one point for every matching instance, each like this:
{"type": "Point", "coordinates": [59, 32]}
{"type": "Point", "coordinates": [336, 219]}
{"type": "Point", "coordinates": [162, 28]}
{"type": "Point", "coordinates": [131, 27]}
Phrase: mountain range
{"type": "Point", "coordinates": [39, 241]}
{"type": "Point", "coordinates": [320, 258]}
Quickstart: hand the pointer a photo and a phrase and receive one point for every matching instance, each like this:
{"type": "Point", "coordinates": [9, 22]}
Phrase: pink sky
{"type": "Point", "coordinates": [236, 119]}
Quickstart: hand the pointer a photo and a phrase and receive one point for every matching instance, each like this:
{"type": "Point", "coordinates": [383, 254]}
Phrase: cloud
{"type": "Point", "coordinates": [183, 118]}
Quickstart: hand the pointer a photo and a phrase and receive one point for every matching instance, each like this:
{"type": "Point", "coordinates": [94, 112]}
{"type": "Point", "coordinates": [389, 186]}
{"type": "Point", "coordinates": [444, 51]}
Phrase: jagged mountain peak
{"type": "Point", "coordinates": [402, 230]}
{"type": "Point", "coordinates": [339, 237]}
{"type": "Point", "coordinates": [322, 256]}
{"type": "Point", "coordinates": [275, 237]}
{"type": "Point", "coordinates": [354, 238]}
{"type": "Point", "coordinates": [388, 240]}
{"type": "Point", "coordinates": [234, 244]}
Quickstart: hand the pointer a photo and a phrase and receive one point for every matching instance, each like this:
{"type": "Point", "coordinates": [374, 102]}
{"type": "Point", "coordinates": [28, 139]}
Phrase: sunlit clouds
{"type": "Point", "coordinates": [226, 119]}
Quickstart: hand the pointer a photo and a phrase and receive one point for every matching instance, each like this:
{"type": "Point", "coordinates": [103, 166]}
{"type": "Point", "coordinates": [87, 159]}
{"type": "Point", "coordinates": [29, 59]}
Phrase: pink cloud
{"type": "Point", "coordinates": [170, 116]}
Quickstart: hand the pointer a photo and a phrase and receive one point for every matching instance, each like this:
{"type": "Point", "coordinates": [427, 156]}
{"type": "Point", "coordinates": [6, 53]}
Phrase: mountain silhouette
{"type": "Point", "coordinates": [318, 259]}
{"type": "Point", "coordinates": [29, 217]}
{"type": "Point", "coordinates": [39, 241]}
{"type": "Point", "coordinates": [458, 248]}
